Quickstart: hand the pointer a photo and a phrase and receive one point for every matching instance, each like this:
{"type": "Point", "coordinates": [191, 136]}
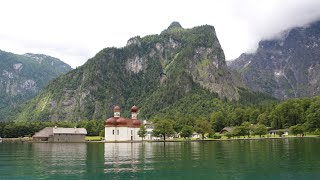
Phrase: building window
{"type": "Point", "coordinates": [112, 131]}
{"type": "Point", "coordinates": [131, 132]}
{"type": "Point", "coordinates": [118, 131]}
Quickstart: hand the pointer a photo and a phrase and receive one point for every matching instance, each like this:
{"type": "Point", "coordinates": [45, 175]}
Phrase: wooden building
{"type": "Point", "coordinates": [56, 134]}
{"type": "Point", "coordinates": [226, 130]}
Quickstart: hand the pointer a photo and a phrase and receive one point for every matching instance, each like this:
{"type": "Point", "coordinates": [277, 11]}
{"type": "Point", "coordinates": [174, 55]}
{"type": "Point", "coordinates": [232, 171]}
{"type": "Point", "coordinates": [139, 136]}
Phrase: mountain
{"type": "Point", "coordinates": [286, 67]}
{"type": "Point", "coordinates": [154, 72]}
{"type": "Point", "coordinates": [23, 76]}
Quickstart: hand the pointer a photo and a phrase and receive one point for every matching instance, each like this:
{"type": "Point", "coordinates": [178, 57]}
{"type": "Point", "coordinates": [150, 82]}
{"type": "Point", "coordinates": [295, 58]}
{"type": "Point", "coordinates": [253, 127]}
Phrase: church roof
{"type": "Point", "coordinates": [124, 122]}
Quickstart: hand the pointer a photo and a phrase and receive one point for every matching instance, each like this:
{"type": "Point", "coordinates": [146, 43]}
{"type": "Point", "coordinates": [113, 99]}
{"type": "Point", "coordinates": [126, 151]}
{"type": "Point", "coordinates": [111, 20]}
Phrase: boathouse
{"type": "Point", "coordinates": [226, 130]}
{"type": "Point", "coordinates": [57, 134]}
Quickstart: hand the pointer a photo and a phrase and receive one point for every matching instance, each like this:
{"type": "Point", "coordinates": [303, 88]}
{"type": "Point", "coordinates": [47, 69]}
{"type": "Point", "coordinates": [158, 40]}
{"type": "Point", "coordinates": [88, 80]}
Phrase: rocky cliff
{"type": "Point", "coordinates": [286, 67]}
{"type": "Point", "coordinates": [23, 76]}
{"type": "Point", "coordinates": [153, 72]}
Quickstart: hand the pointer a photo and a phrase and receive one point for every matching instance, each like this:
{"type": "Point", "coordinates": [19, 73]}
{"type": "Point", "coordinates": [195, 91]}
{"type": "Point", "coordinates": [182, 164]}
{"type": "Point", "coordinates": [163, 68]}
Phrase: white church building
{"type": "Point", "coordinates": [122, 129]}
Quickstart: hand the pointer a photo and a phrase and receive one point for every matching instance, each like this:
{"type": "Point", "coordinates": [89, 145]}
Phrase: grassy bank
{"type": "Point", "coordinates": [223, 138]}
{"type": "Point", "coordinates": [93, 138]}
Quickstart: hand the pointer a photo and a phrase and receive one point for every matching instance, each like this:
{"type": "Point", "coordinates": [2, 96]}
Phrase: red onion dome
{"type": "Point", "coordinates": [134, 109]}
{"type": "Point", "coordinates": [136, 122]}
{"type": "Point", "coordinates": [121, 121]}
{"type": "Point", "coordinates": [116, 109]}
{"type": "Point", "coordinates": [111, 121]}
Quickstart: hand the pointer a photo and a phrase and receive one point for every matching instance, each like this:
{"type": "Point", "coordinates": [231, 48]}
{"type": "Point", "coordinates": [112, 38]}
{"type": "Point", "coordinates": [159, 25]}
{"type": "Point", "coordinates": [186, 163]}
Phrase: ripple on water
{"type": "Point", "coordinates": [294, 158]}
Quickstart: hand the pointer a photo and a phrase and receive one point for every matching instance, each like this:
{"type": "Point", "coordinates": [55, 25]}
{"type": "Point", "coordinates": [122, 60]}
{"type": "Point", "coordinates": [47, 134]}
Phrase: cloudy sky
{"type": "Point", "coordinates": [75, 30]}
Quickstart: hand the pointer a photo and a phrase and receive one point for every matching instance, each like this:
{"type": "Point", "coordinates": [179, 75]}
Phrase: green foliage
{"type": "Point", "coordinates": [248, 97]}
{"type": "Point", "coordinates": [23, 76]}
{"type": "Point", "coordinates": [142, 132]}
{"type": "Point", "coordinates": [163, 128]}
{"type": "Point", "coordinates": [218, 121]}
{"type": "Point", "coordinates": [242, 130]}
{"type": "Point", "coordinates": [229, 135]}
{"type": "Point", "coordinates": [202, 126]}
{"type": "Point", "coordinates": [286, 114]}
{"type": "Point", "coordinates": [313, 115]}
{"type": "Point", "coordinates": [93, 127]}
{"type": "Point", "coordinates": [12, 129]}
{"type": "Point", "coordinates": [254, 116]}
{"type": "Point", "coordinates": [264, 119]}
{"type": "Point", "coordinates": [92, 90]}
{"type": "Point", "coordinates": [186, 131]}
{"type": "Point", "coordinates": [296, 129]}
{"type": "Point", "coordinates": [215, 136]}
{"type": "Point", "coordinates": [260, 130]}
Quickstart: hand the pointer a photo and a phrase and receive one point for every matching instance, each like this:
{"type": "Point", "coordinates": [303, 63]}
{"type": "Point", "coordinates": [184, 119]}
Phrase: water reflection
{"type": "Point", "coordinates": [59, 158]}
{"type": "Point", "coordinates": [241, 159]}
{"type": "Point", "coordinates": [122, 157]}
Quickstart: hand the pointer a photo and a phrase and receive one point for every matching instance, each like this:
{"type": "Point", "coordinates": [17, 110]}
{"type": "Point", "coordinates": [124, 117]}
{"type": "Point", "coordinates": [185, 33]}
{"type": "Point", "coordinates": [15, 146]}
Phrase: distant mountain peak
{"type": "Point", "coordinates": [23, 76]}
{"type": "Point", "coordinates": [190, 63]}
{"type": "Point", "coordinates": [175, 24]}
{"type": "Point", "coordinates": [285, 67]}
{"type": "Point", "coordinates": [134, 41]}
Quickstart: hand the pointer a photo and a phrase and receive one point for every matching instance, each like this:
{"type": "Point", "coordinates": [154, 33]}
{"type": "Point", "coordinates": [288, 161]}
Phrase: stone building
{"type": "Point", "coordinates": [118, 128]}
{"type": "Point", "coordinates": [56, 134]}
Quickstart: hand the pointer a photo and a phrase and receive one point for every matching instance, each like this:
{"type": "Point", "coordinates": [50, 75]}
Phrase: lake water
{"type": "Point", "coordinates": [293, 158]}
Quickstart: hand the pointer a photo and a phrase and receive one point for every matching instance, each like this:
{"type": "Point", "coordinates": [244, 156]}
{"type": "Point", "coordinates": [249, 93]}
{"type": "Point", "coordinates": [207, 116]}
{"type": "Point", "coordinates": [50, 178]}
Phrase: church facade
{"type": "Point", "coordinates": [118, 128]}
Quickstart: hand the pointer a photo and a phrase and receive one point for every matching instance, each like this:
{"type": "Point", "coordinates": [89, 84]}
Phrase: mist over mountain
{"type": "Point", "coordinates": [285, 67]}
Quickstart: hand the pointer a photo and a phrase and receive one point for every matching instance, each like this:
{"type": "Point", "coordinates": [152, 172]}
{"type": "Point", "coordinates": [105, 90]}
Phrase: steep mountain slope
{"type": "Point", "coordinates": [287, 67]}
{"type": "Point", "coordinates": [152, 72]}
{"type": "Point", "coordinates": [23, 76]}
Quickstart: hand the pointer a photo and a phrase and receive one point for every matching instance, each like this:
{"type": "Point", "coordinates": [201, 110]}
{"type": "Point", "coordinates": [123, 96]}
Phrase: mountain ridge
{"type": "Point", "coordinates": [152, 72]}
{"type": "Point", "coordinates": [22, 77]}
{"type": "Point", "coordinates": [286, 67]}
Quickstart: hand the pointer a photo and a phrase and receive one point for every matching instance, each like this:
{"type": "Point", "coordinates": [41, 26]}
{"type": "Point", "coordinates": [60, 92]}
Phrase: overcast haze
{"type": "Point", "coordinates": [75, 30]}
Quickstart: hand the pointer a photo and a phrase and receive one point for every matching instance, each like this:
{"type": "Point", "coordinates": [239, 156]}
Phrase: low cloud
{"type": "Point", "coordinates": [267, 19]}
{"type": "Point", "coordinates": [76, 33]}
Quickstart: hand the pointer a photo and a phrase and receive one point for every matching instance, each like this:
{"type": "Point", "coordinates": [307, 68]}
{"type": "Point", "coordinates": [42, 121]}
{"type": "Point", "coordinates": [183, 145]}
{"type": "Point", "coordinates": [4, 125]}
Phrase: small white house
{"type": "Point", "coordinates": [195, 135]}
{"type": "Point", "coordinates": [282, 132]}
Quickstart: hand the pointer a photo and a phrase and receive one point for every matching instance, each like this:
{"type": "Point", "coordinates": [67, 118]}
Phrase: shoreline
{"type": "Point", "coordinates": [29, 140]}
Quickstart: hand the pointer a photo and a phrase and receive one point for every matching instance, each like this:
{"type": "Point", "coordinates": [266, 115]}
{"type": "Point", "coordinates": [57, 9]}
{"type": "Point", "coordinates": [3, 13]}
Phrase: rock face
{"type": "Point", "coordinates": [152, 72]}
{"type": "Point", "coordinates": [287, 67]}
{"type": "Point", "coordinates": [23, 76]}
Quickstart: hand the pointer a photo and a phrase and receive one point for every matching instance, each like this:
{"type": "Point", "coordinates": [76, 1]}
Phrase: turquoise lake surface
{"type": "Point", "coordinates": [287, 158]}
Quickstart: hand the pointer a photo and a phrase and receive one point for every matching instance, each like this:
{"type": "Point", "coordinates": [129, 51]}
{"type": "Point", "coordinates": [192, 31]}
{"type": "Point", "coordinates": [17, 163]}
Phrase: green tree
{"type": "Point", "coordinates": [260, 130]}
{"type": "Point", "coordinates": [246, 126]}
{"type": "Point", "coordinates": [229, 135]}
{"type": "Point", "coordinates": [217, 119]}
{"type": "Point", "coordinates": [287, 113]}
{"type": "Point", "coordinates": [202, 126]}
{"type": "Point", "coordinates": [163, 128]}
{"type": "Point", "coordinates": [142, 132]}
{"type": "Point", "coordinates": [102, 133]}
{"type": "Point", "coordinates": [264, 119]}
{"type": "Point", "coordinates": [240, 131]}
{"type": "Point", "coordinates": [313, 115]}
{"type": "Point", "coordinates": [254, 116]}
{"type": "Point", "coordinates": [186, 131]}
{"type": "Point", "coordinates": [296, 129]}
{"type": "Point", "coordinates": [238, 116]}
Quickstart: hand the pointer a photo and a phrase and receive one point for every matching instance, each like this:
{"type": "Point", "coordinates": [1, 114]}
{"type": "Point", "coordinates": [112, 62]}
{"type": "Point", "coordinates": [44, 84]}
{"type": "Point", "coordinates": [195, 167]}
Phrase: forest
{"type": "Point", "coordinates": [300, 115]}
